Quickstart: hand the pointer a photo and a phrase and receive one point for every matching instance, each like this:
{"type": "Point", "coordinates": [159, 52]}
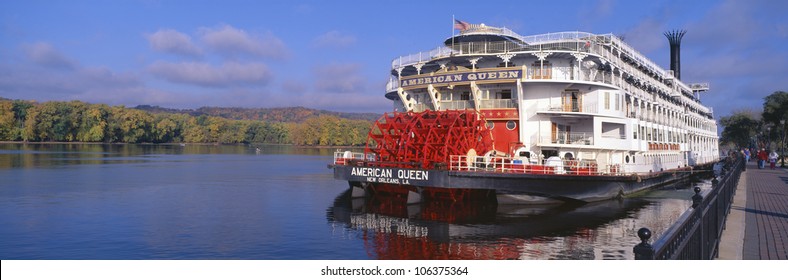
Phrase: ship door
{"type": "Point", "coordinates": [571, 100]}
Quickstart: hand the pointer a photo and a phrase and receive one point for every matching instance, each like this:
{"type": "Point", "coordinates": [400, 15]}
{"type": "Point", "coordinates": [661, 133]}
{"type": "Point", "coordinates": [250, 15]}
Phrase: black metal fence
{"type": "Point", "coordinates": [696, 234]}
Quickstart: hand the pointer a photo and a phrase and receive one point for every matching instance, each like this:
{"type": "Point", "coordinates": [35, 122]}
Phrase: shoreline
{"type": "Point", "coordinates": [185, 143]}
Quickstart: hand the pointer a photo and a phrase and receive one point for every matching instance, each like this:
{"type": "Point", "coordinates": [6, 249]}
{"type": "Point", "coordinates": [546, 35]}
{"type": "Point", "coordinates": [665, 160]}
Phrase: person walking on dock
{"type": "Point", "coordinates": [772, 159]}
{"type": "Point", "coordinates": [762, 156]}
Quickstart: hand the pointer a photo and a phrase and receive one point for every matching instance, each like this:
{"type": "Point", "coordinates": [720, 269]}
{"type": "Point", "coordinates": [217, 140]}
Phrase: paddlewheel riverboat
{"type": "Point", "coordinates": [557, 117]}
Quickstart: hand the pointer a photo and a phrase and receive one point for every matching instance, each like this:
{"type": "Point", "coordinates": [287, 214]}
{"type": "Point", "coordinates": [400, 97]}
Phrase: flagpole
{"type": "Point", "coordinates": [452, 33]}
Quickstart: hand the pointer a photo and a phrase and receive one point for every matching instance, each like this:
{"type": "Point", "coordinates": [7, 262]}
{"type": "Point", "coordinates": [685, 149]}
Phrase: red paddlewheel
{"type": "Point", "coordinates": [427, 139]}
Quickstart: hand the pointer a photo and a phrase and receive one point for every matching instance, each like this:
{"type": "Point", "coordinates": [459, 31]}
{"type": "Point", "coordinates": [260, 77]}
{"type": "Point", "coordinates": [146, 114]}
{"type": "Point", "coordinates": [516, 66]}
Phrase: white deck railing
{"type": "Point", "coordinates": [571, 138]}
{"type": "Point", "coordinates": [523, 166]}
{"type": "Point", "coordinates": [343, 157]}
{"type": "Point", "coordinates": [550, 166]}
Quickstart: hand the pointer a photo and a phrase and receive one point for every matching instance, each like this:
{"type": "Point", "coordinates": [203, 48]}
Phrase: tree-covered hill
{"type": "Point", "coordinates": [32, 121]}
{"type": "Point", "coordinates": [286, 114]}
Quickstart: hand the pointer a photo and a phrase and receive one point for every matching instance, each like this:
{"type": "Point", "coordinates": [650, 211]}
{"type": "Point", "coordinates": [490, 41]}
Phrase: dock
{"type": "Point", "coordinates": [757, 226]}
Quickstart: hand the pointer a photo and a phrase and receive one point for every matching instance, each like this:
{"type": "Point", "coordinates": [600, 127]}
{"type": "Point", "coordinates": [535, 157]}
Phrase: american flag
{"type": "Point", "coordinates": [461, 25]}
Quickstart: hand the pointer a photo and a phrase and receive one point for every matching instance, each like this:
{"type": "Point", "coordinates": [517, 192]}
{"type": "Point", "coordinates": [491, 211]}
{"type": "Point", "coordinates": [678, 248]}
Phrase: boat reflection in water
{"type": "Point", "coordinates": [391, 229]}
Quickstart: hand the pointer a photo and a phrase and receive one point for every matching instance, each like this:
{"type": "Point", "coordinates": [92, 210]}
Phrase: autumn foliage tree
{"type": "Point", "coordinates": [84, 122]}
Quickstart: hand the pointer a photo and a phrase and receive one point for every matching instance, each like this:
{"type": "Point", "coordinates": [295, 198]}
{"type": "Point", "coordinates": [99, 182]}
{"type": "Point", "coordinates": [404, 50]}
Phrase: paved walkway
{"type": "Point", "coordinates": [757, 227]}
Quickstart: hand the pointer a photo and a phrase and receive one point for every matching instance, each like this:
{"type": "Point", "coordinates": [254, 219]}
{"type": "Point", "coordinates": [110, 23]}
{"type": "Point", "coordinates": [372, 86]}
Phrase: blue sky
{"type": "Point", "coordinates": [336, 54]}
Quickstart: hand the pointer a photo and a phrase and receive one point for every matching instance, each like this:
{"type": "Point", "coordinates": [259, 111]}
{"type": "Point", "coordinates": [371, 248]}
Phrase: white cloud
{"type": "Point", "coordinates": [334, 39]}
{"type": "Point", "coordinates": [31, 83]}
{"type": "Point", "coordinates": [227, 75]}
{"type": "Point", "coordinates": [230, 41]}
{"type": "Point", "coordinates": [46, 55]}
{"type": "Point", "coordinates": [339, 78]}
{"type": "Point", "coordinates": [646, 36]}
{"type": "Point", "coordinates": [171, 41]}
{"type": "Point", "coordinates": [293, 87]}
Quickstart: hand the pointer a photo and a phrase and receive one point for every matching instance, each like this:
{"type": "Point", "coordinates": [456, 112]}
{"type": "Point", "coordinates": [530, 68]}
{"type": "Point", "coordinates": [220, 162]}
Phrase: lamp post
{"type": "Point", "coordinates": [782, 146]}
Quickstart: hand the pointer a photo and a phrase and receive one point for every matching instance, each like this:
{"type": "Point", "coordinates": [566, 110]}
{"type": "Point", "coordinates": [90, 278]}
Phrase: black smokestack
{"type": "Point", "coordinates": [674, 37]}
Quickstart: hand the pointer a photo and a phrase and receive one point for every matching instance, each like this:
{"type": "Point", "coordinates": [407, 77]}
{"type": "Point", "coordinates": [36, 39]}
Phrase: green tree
{"type": "Point", "coordinates": [49, 122]}
{"type": "Point", "coordinates": [165, 129]}
{"type": "Point", "coordinates": [739, 128]}
{"type": "Point", "coordinates": [775, 107]}
{"type": "Point", "coordinates": [133, 126]}
{"type": "Point", "coordinates": [20, 108]}
{"type": "Point", "coordinates": [94, 124]}
{"type": "Point", "coordinates": [79, 121]}
{"type": "Point", "coordinates": [193, 132]}
{"type": "Point", "coordinates": [7, 121]}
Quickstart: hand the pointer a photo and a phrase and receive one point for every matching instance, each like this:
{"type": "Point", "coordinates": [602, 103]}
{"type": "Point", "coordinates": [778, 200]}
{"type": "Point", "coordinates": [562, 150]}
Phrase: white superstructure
{"type": "Point", "coordinates": [571, 95]}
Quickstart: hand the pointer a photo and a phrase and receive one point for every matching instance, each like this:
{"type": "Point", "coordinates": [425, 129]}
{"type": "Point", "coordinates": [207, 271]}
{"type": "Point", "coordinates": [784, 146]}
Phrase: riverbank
{"type": "Point", "coordinates": [182, 144]}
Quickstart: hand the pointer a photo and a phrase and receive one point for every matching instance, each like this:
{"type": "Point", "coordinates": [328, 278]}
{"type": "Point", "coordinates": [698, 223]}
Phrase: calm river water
{"type": "Point", "coordinates": [92, 201]}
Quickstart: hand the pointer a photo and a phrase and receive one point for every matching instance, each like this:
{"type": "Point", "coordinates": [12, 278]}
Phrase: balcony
{"type": "Point", "coordinates": [568, 108]}
{"type": "Point", "coordinates": [570, 138]}
{"type": "Point", "coordinates": [497, 104]}
{"type": "Point", "coordinates": [456, 105]}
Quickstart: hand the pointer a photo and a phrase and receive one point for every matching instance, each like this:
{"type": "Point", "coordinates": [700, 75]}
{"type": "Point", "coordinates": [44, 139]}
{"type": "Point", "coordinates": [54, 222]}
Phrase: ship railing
{"type": "Point", "coordinates": [570, 138]}
{"type": "Point", "coordinates": [562, 41]}
{"type": "Point", "coordinates": [344, 157]}
{"type": "Point", "coordinates": [392, 84]}
{"type": "Point", "coordinates": [470, 48]}
{"type": "Point", "coordinates": [411, 59]}
{"type": "Point", "coordinates": [498, 164]}
{"type": "Point", "coordinates": [497, 103]}
{"type": "Point", "coordinates": [559, 36]}
{"type": "Point", "coordinates": [456, 105]}
{"type": "Point", "coordinates": [591, 108]}
{"type": "Point", "coordinates": [421, 107]}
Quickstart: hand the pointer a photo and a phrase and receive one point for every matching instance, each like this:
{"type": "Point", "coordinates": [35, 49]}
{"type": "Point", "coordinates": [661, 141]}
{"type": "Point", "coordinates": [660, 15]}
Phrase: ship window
{"type": "Point", "coordinates": [607, 101]}
{"type": "Point", "coordinates": [626, 159]}
{"type": "Point", "coordinates": [465, 95]}
{"type": "Point", "coordinates": [505, 94]}
{"type": "Point", "coordinates": [613, 130]}
{"type": "Point", "coordinates": [511, 125]}
{"type": "Point", "coordinates": [490, 124]}
{"type": "Point", "coordinates": [542, 70]}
